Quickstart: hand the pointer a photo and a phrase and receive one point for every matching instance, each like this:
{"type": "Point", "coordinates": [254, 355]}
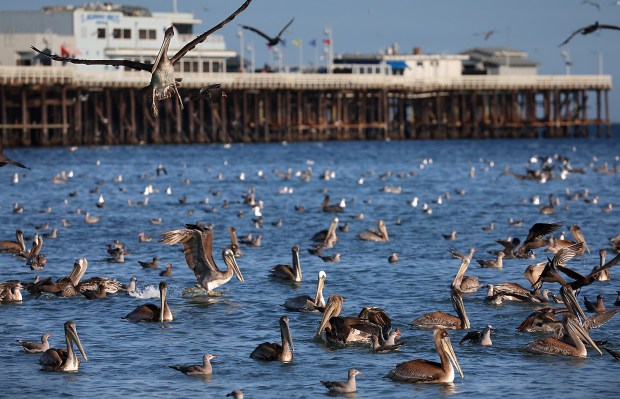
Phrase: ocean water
{"type": "Point", "coordinates": [131, 359]}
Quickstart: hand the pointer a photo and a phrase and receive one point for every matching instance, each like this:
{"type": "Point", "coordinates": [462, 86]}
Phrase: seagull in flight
{"type": "Point", "coordinates": [486, 35]}
{"type": "Point", "coordinates": [271, 41]}
{"type": "Point", "coordinates": [163, 82]}
{"type": "Point", "coordinates": [592, 3]}
{"type": "Point", "coordinates": [590, 29]}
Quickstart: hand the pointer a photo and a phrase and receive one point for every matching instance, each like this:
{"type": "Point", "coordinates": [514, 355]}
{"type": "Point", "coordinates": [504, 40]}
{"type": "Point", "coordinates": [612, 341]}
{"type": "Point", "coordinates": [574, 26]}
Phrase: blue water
{"type": "Point", "coordinates": [131, 359]}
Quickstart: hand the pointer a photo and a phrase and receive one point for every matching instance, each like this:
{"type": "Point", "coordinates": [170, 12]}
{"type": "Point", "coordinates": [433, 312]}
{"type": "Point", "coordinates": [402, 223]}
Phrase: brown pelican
{"type": "Point", "coordinates": [100, 293]}
{"type": "Point", "coordinates": [381, 235]}
{"type": "Point", "coordinates": [571, 346]}
{"type": "Point", "coordinates": [236, 394]}
{"type": "Point", "coordinates": [32, 256]}
{"type": "Point", "coordinates": [305, 303]}
{"type": "Point", "coordinates": [6, 161]}
{"type": "Point", "coordinates": [597, 307]}
{"type": "Point", "coordinates": [426, 372]}
{"type": "Point", "coordinates": [326, 207]}
{"type": "Point", "coordinates": [444, 320]}
{"type": "Point", "coordinates": [556, 244]}
{"type": "Point", "coordinates": [548, 209]}
{"type": "Point", "coordinates": [287, 272]}
{"type": "Point", "coordinates": [198, 248]}
{"type": "Point", "coordinates": [393, 258]}
{"type": "Point", "coordinates": [10, 292]}
{"type": "Point", "coordinates": [545, 320]}
{"type": "Point", "coordinates": [234, 243]}
{"type": "Point", "coordinates": [197, 369]}
{"type": "Point", "coordinates": [149, 265]}
{"type": "Point", "coordinates": [163, 82]}
{"type": "Point", "coordinates": [492, 263]}
{"type": "Point", "coordinates": [590, 29]}
{"type": "Point", "coordinates": [497, 293]}
{"type": "Point", "coordinates": [342, 330]}
{"type": "Point", "coordinates": [17, 248]}
{"type": "Point", "coordinates": [65, 286]}
{"type": "Point", "coordinates": [274, 351]}
{"type": "Point", "coordinates": [603, 275]}
{"type": "Point", "coordinates": [479, 337]}
{"type": "Point", "coordinates": [111, 285]}
{"type": "Point", "coordinates": [347, 386]}
{"type": "Point", "coordinates": [536, 237]}
{"type": "Point", "coordinates": [458, 255]}
{"type": "Point", "coordinates": [64, 359]}
{"type": "Point", "coordinates": [36, 347]}
{"type": "Point", "coordinates": [151, 312]}
{"type": "Point", "coordinates": [327, 237]}
{"type": "Point", "coordinates": [271, 41]}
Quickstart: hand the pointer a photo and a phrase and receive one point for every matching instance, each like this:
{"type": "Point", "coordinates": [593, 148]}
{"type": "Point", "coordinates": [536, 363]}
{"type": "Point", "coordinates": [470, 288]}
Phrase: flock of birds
{"type": "Point", "coordinates": [372, 326]}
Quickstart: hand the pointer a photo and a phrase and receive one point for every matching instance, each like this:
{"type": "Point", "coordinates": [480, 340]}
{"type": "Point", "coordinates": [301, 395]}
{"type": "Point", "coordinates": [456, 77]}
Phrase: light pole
{"type": "Point", "coordinates": [567, 61]}
{"type": "Point", "coordinates": [330, 48]}
{"type": "Point", "coordinates": [250, 49]}
{"type": "Point", "coordinates": [241, 51]}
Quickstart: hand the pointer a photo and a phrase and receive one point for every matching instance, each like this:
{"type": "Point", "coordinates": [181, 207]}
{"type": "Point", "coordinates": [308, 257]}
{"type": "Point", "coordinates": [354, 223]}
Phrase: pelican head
{"type": "Point", "coordinates": [318, 298]}
{"type": "Point", "coordinates": [286, 332]}
{"type": "Point", "coordinates": [332, 309]}
{"type": "Point", "coordinates": [71, 336]}
{"type": "Point", "coordinates": [572, 323]}
{"type": "Point", "coordinates": [442, 341]}
{"type": "Point", "coordinates": [229, 259]}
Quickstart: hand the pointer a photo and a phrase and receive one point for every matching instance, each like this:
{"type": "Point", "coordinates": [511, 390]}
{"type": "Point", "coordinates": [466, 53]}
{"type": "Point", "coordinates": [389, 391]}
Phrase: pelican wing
{"type": "Point", "coordinates": [568, 39]}
{"type": "Point", "coordinates": [194, 243]}
{"type": "Point", "coordinates": [253, 29]}
{"type": "Point", "coordinates": [52, 358]}
{"type": "Point", "coordinates": [605, 26]}
{"type": "Point", "coordinates": [201, 38]}
{"type": "Point", "coordinates": [286, 26]}
{"type": "Point", "coordinates": [599, 319]}
{"type": "Point", "coordinates": [540, 230]}
{"type": "Point", "coordinates": [266, 351]}
{"type": "Point", "coordinates": [141, 66]}
{"type": "Point", "coordinates": [416, 371]}
{"type": "Point", "coordinates": [567, 253]}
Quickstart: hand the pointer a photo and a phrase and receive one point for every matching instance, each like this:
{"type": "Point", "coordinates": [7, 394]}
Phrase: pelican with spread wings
{"type": "Point", "coordinates": [198, 249]}
{"type": "Point", "coordinates": [163, 82]}
{"type": "Point", "coordinates": [586, 30]}
{"type": "Point", "coordinates": [271, 41]}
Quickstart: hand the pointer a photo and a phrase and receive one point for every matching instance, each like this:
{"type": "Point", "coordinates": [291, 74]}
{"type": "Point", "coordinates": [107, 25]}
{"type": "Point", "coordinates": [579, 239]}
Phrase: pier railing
{"type": "Point", "coordinates": [131, 79]}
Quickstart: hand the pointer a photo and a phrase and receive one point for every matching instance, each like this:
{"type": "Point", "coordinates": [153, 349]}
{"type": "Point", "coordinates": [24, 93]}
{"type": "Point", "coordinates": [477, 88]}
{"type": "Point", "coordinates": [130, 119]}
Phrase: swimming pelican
{"type": "Point", "coordinates": [427, 372]}
{"type": "Point", "coordinates": [274, 351]}
{"type": "Point", "coordinates": [571, 346]}
{"type": "Point", "coordinates": [151, 312]}
{"type": "Point", "coordinates": [198, 248]}
{"type": "Point", "coordinates": [347, 386]}
{"type": "Point", "coordinates": [65, 286]}
{"type": "Point", "coordinates": [442, 319]}
{"type": "Point", "coordinates": [380, 235]}
{"type": "Point", "coordinates": [17, 248]}
{"type": "Point", "coordinates": [197, 369]}
{"type": "Point", "coordinates": [163, 82]}
{"type": "Point", "coordinates": [327, 237]}
{"type": "Point", "coordinates": [286, 272]}
{"type": "Point", "coordinates": [603, 275]}
{"type": "Point", "coordinates": [64, 359]}
{"type": "Point", "coordinates": [36, 347]}
{"type": "Point", "coordinates": [326, 207]}
{"type": "Point", "coordinates": [305, 303]}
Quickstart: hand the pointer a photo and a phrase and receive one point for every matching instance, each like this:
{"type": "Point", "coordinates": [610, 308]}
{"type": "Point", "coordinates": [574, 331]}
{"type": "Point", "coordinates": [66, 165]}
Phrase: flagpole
{"type": "Point", "coordinates": [301, 57]}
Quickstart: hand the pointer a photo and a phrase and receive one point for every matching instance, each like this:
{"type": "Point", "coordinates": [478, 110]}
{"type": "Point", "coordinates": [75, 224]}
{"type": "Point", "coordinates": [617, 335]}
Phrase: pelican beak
{"type": "Point", "coordinates": [330, 310]}
{"type": "Point", "coordinates": [583, 334]}
{"type": "Point", "coordinates": [230, 260]}
{"type": "Point", "coordinates": [286, 332]}
{"type": "Point", "coordinates": [571, 302]}
{"type": "Point", "coordinates": [447, 347]}
{"type": "Point", "coordinates": [163, 288]}
{"type": "Point", "coordinates": [459, 275]}
{"type": "Point", "coordinates": [73, 336]}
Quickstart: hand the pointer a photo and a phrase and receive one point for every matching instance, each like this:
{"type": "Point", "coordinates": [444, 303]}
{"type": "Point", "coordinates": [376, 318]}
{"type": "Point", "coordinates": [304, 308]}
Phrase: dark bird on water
{"type": "Point", "coordinates": [586, 30]}
{"type": "Point", "coordinates": [6, 161]}
{"type": "Point", "coordinates": [163, 82]}
{"type": "Point", "coordinates": [271, 41]}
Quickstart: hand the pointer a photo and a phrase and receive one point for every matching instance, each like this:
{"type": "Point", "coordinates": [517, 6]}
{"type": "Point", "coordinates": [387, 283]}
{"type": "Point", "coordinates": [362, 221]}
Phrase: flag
{"type": "Point", "coordinates": [327, 41]}
{"type": "Point", "coordinates": [313, 42]}
{"type": "Point", "coordinates": [296, 42]}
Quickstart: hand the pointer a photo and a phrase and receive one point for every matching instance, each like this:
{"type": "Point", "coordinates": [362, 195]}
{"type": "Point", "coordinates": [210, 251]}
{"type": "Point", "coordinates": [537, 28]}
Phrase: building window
{"type": "Point", "coordinates": [206, 66]}
{"type": "Point", "coordinates": [150, 34]}
{"type": "Point", "coordinates": [126, 33]}
{"type": "Point", "coordinates": [116, 33]}
{"type": "Point", "coordinates": [101, 33]}
{"type": "Point", "coordinates": [217, 66]}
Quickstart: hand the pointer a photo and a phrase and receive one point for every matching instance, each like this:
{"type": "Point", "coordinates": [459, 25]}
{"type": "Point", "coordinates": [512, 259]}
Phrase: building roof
{"type": "Point", "coordinates": [499, 56]}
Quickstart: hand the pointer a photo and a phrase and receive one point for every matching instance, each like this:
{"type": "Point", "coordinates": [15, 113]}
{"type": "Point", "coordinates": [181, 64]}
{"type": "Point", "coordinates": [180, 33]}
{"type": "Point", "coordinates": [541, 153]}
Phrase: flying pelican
{"type": "Point", "coordinates": [198, 248]}
{"type": "Point", "coordinates": [426, 372]}
{"type": "Point", "coordinates": [286, 272]}
{"type": "Point", "coordinates": [556, 244]}
{"type": "Point", "coordinates": [271, 41]}
{"type": "Point", "coordinates": [589, 29]}
{"type": "Point", "coordinates": [163, 82]}
{"type": "Point", "coordinates": [64, 359]}
{"type": "Point", "coordinates": [347, 386]}
{"type": "Point", "coordinates": [442, 319]}
{"type": "Point", "coordinates": [197, 369]}
{"type": "Point", "coordinates": [36, 347]}
{"type": "Point", "coordinates": [274, 351]}
{"type": "Point", "coordinates": [151, 312]}
{"type": "Point", "coordinates": [6, 161]}
{"type": "Point", "coordinates": [571, 346]}
{"type": "Point", "coordinates": [305, 303]}
{"type": "Point", "coordinates": [536, 237]}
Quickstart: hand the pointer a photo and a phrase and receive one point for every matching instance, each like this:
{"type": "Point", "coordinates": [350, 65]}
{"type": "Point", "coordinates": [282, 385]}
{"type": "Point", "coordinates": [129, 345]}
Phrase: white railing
{"type": "Point", "coordinates": [67, 75]}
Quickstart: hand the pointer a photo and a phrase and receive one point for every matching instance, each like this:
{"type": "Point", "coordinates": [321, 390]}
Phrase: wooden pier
{"type": "Point", "coordinates": [43, 106]}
